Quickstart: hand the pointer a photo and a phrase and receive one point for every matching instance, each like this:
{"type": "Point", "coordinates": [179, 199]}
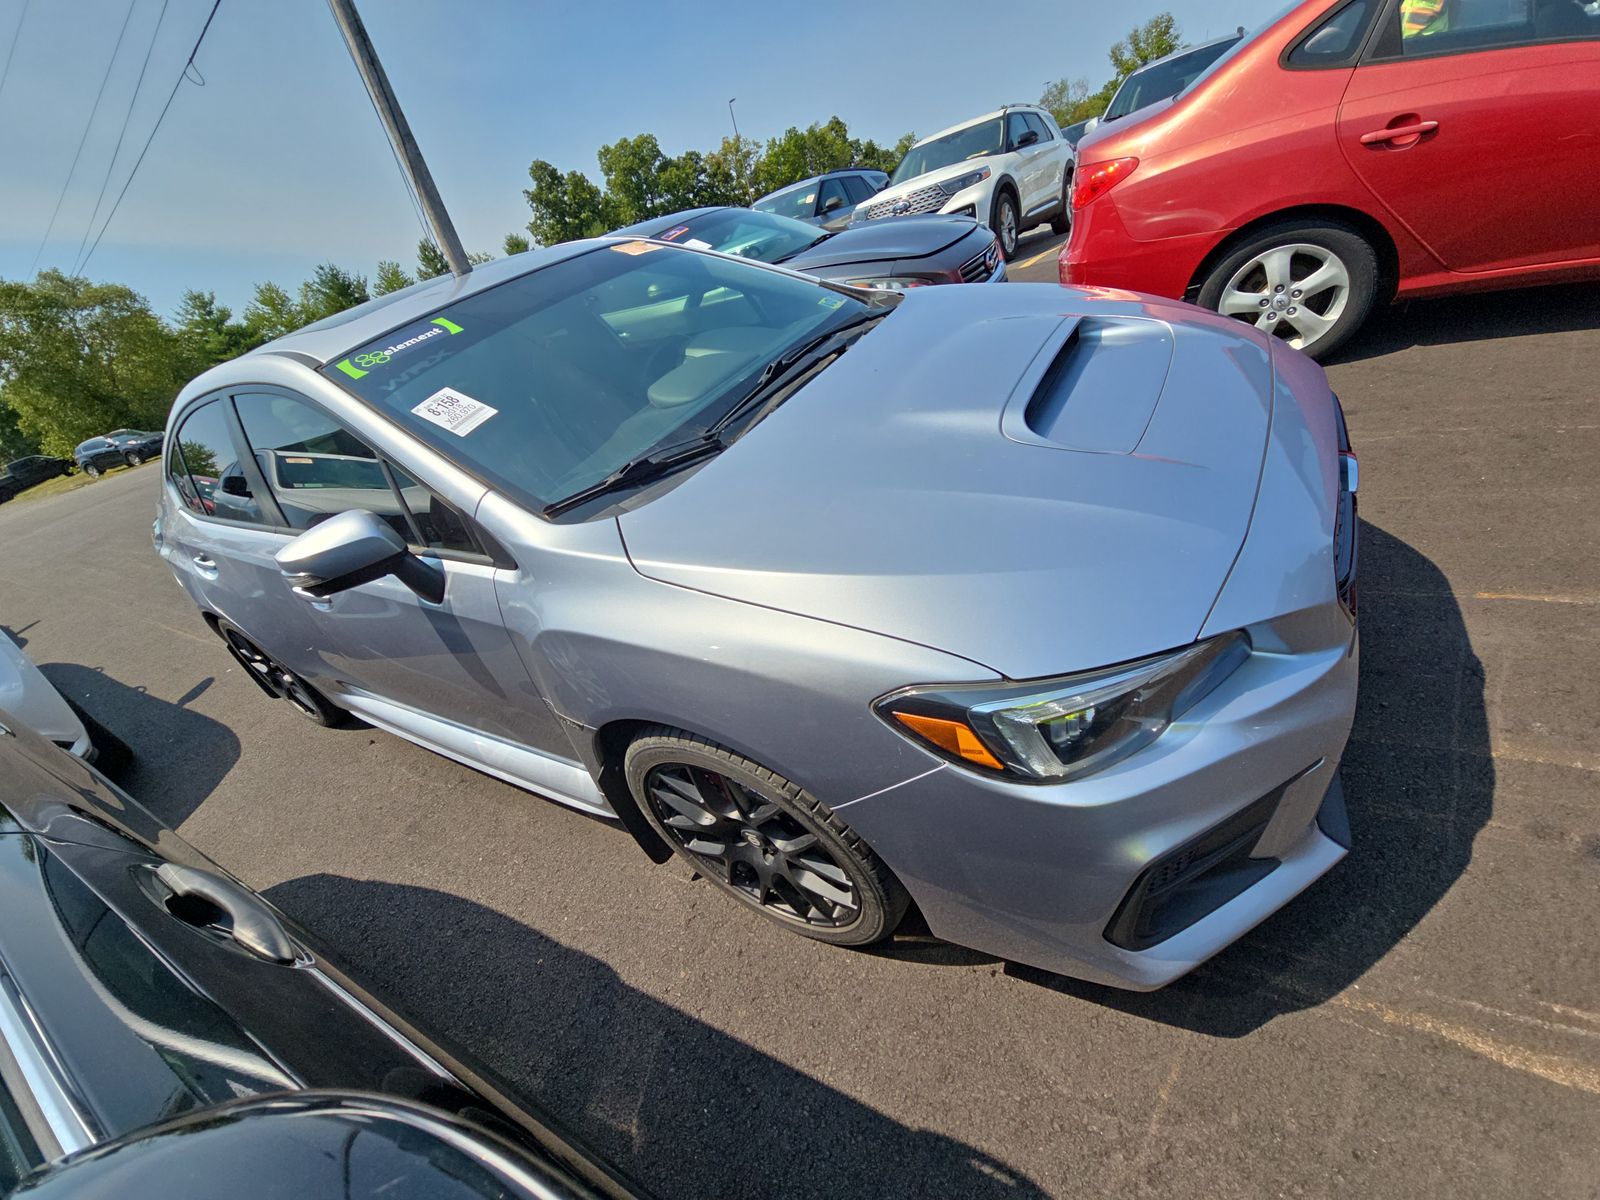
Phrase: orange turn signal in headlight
{"type": "Point", "coordinates": [951, 736]}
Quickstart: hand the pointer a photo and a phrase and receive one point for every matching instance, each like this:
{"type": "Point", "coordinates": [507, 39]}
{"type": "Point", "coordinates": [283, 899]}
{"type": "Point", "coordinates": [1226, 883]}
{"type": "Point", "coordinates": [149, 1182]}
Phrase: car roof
{"type": "Point", "coordinates": [988, 116]}
{"type": "Point", "coordinates": [331, 337]}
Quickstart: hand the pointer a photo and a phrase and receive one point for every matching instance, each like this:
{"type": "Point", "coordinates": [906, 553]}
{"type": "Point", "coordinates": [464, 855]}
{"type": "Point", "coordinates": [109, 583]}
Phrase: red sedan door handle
{"type": "Point", "coordinates": [1399, 135]}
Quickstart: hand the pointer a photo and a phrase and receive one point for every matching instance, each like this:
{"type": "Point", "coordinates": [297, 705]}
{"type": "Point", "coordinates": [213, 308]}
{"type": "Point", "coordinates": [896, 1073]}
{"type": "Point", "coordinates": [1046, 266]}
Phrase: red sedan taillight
{"type": "Point", "coordinates": [1093, 180]}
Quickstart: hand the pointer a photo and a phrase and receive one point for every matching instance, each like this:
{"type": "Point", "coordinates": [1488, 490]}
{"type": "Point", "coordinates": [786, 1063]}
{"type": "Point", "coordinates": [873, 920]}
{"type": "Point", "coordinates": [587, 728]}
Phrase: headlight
{"type": "Point", "coordinates": [895, 283]}
{"type": "Point", "coordinates": [1051, 730]}
{"type": "Point", "coordinates": [961, 182]}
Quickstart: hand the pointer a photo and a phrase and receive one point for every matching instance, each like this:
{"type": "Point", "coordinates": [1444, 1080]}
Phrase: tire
{"type": "Point", "coordinates": [1062, 221]}
{"type": "Point", "coordinates": [132, 458]}
{"type": "Point", "coordinates": [771, 833]}
{"type": "Point", "coordinates": [278, 681]}
{"type": "Point", "coordinates": [1005, 201]}
{"type": "Point", "coordinates": [92, 470]}
{"type": "Point", "coordinates": [1247, 284]}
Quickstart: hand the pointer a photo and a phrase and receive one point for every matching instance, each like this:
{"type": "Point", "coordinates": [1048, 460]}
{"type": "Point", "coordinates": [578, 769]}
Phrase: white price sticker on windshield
{"type": "Point", "coordinates": [455, 411]}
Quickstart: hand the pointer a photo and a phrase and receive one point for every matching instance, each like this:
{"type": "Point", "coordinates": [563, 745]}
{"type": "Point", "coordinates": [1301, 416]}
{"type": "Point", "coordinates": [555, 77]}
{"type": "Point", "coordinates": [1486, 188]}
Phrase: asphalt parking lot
{"type": "Point", "coordinates": [1425, 1021]}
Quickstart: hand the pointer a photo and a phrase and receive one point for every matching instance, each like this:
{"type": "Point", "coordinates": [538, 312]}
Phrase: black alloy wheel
{"type": "Point", "coordinates": [278, 680]}
{"type": "Point", "coordinates": [762, 839]}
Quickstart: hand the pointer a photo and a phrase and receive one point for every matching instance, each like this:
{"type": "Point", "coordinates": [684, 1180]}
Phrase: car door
{"type": "Point", "coordinates": [451, 661]}
{"type": "Point", "coordinates": [1476, 123]}
{"type": "Point", "coordinates": [1027, 159]}
{"type": "Point", "coordinates": [1052, 158]}
{"type": "Point", "coordinates": [833, 204]}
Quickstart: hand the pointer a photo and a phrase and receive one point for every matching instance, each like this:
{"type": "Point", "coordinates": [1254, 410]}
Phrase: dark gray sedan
{"type": "Point", "coordinates": [911, 252]}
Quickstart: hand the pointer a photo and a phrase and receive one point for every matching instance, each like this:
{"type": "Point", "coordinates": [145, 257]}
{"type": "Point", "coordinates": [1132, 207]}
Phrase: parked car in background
{"type": "Point", "coordinates": [1164, 78]}
{"type": "Point", "coordinates": [849, 598]}
{"type": "Point", "coordinates": [1074, 132]}
{"type": "Point", "coordinates": [1352, 152]}
{"type": "Point", "coordinates": [1010, 169]}
{"type": "Point", "coordinates": [828, 200]}
{"type": "Point", "coordinates": [899, 255]}
{"type": "Point", "coordinates": [164, 1031]}
{"type": "Point", "coordinates": [20, 474]}
{"type": "Point", "coordinates": [120, 447]}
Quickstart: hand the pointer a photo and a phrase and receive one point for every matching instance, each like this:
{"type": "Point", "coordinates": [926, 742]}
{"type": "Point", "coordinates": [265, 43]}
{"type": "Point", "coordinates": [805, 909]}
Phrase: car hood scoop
{"type": "Point", "coordinates": [1038, 479]}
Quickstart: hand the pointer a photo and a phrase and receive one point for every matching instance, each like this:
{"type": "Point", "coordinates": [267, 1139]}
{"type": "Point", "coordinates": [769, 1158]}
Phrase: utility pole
{"type": "Point", "coordinates": [394, 123]}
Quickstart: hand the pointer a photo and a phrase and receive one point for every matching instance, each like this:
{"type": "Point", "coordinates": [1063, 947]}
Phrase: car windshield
{"type": "Point", "coordinates": [1164, 79]}
{"type": "Point", "coordinates": [975, 141]}
{"type": "Point", "coordinates": [546, 384]}
{"type": "Point", "coordinates": [765, 237]}
{"type": "Point", "coordinates": [797, 201]}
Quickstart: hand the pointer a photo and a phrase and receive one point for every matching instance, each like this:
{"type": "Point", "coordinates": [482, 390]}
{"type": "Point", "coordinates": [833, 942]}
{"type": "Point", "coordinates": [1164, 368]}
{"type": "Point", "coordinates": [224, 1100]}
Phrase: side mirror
{"type": "Point", "coordinates": [1089, 127]}
{"type": "Point", "coordinates": [350, 549]}
{"type": "Point", "coordinates": [1028, 138]}
{"type": "Point", "coordinates": [831, 203]}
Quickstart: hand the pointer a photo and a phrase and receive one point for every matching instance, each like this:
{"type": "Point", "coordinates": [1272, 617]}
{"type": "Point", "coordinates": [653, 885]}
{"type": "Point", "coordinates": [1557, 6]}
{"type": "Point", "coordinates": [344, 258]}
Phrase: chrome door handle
{"type": "Point", "coordinates": [1400, 132]}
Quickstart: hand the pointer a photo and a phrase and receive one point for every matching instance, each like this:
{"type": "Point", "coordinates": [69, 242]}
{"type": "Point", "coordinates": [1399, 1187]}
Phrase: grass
{"type": "Point", "coordinates": [60, 484]}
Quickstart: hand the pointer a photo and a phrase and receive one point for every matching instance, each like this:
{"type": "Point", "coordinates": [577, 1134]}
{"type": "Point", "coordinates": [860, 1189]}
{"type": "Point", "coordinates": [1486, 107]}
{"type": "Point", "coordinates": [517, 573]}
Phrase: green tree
{"type": "Point", "coordinates": [430, 260]}
{"type": "Point", "coordinates": [731, 171]}
{"type": "Point", "coordinates": [634, 191]}
{"type": "Point", "coordinates": [1070, 100]}
{"type": "Point", "coordinates": [272, 312]}
{"type": "Point", "coordinates": [200, 458]}
{"type": "Point", "coordinates": [564, 206]}
{"type": "Point", "coordinates": [78, 358]}
{"type": "Point", "coordinates": [515, 243]}
{"type": "Point", "coordinates": [209, 334]}
{"type": "Point", "coordinates": [391, 277]}
{"type": "Point", "coordinates": [331, 289]}
{"type": "Point", "coordinates": [13, 442]}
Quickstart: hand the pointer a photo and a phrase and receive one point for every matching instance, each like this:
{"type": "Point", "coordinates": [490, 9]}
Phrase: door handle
{"type": "Point", "coordinates": [1406, 134]}
{"type": "Point", "coordinates": [250, 922]}
{"type": "Point", "coordinates": [205, 562]}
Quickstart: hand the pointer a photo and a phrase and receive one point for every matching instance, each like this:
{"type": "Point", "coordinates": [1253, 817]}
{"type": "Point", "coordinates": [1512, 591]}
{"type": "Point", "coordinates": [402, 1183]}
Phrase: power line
{"type": "Point", "coordinates": [171, 96]}
{"type": "Point", "coordinates": [16, 36]}
{"type": "Point", "coordinates": [89, 124]}
{"type": "Point", "coordinates": [121, 133]}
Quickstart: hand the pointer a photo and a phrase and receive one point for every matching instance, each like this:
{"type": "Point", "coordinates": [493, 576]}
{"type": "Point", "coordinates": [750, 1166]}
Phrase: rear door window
{"type": "Point", "coordinates": [205, 468]}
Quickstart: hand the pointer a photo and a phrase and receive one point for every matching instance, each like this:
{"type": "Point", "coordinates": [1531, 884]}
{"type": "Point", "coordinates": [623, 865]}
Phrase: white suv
{"type": "Point", "coordinates": [1010, 169]}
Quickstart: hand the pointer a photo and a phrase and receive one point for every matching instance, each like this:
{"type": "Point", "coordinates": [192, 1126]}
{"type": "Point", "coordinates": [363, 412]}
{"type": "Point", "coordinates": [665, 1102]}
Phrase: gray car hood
{"type": "Point", "coordinates": [1039, 479]}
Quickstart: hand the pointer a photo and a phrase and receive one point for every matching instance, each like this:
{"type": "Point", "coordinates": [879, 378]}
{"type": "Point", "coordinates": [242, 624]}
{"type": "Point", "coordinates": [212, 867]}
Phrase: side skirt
{"type": "Point", "coordinates": [557, 778]}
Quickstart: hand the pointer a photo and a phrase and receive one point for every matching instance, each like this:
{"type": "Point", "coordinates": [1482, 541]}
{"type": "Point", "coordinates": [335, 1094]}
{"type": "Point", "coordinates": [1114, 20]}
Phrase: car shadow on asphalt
{"type": "Point", "coordinates": [685, 1109]}
{"type": "Point", "coordinates": [178, 755]}
{"type": "Point", "coordinates": [1419, 785]}
{"type": "Point", "coordinates": [1474, 318]}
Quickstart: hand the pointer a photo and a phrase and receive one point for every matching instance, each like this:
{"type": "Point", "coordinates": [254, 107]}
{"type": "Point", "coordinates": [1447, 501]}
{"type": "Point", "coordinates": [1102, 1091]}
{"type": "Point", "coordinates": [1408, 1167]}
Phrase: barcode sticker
{"type": "Point", "coordinates": [455, 411]}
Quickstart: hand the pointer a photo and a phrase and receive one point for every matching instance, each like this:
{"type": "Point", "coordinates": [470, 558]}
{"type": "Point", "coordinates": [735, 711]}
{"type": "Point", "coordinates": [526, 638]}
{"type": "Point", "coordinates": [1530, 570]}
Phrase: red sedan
{"type": "Point", "coordinates": [1352, 151]}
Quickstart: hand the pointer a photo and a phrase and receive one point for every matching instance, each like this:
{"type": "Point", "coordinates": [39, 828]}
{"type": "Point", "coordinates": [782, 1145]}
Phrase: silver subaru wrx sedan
{"type": "Point", "coordinates": [1033, 606]}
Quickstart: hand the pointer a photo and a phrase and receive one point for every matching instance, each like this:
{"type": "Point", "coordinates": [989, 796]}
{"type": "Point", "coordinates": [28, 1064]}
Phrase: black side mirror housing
{"type": "Point", "coordinates": [831, 203]}
{"type": "Point", "coordinates": [1028, 138]}
{"type": "Point", "coordinates": [350, 549]}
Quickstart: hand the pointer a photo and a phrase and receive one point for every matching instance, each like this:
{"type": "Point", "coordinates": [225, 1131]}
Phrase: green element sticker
{"type": "Point", "coordinates": [353, 372]}
{"type": "Point", "coordinates": [447, 324]}
{"type": "Point", "coordinates": [831, 301]}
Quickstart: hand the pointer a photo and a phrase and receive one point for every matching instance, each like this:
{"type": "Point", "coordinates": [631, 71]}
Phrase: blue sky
{"type": "Point", "coordinates": [278, 162]}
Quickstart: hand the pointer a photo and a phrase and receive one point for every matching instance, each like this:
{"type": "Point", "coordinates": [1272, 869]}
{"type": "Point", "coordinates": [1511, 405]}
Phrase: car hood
{"type": "Point", "coordinates": [1039, 479]}
{"type": "Point", "coordinates": [884, 241]}
{"type": "Point", "coordinates": [917, 182]}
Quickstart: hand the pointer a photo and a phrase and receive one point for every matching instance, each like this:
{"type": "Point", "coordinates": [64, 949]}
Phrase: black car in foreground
{"type": "Point", "coordinates": [120, 447]}
{"type": "Point", "coordinates": [904, 253]}
{"type": "Point", "coordinates": [22, 473]}
{"type": "Point", "coordinates": [165, 1032]}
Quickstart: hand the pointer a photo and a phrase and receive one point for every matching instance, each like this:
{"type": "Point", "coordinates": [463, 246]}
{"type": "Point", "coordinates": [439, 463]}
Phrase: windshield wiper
{"type": "Point", "coordinates": [639, 471]}
{"type": "Point", "coordinates": [778, 373]}
{"type": "Point", "coordinates": [816, 241]}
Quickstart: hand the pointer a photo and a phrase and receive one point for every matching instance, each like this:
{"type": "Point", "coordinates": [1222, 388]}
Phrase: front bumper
{"type": "Point", "coordinates": [1043, 874]}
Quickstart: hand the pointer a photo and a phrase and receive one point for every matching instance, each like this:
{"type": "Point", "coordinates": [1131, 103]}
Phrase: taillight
{"type": "Point", "coordinates": [1096, 179]}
